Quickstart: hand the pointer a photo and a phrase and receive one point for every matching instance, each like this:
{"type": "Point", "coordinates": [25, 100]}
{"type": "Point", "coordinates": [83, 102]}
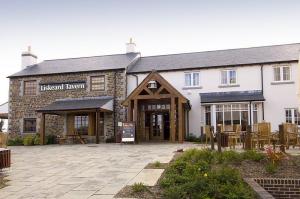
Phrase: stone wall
{"type": "Point", "coordinates": [21, 107]}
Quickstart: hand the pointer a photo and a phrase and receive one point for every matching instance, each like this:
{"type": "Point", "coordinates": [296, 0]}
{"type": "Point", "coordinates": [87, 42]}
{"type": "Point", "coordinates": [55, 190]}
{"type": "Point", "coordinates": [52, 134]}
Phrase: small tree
{"type": "Point", "coordinates": [1, 125]}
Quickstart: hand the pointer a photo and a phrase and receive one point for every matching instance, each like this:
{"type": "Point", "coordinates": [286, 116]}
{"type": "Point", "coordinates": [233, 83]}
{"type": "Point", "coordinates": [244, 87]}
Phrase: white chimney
{"type": "Point", "coordinates": [28, 58]}
{"type": "Point", "coordinates": [130, 47]}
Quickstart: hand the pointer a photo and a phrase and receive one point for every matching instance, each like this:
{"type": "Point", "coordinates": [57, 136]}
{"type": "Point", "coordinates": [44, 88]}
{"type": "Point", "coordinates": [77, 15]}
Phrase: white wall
{"type": "Point", "coordinates": [279, 96]}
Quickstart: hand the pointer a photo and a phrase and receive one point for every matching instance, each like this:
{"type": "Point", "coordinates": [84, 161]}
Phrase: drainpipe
{"type": "Point", "coordinates": [136, 79]}
{"type": "Point", "coordinates": [115, 103]}
{"type": "Point", "coordinates": [262, 90]}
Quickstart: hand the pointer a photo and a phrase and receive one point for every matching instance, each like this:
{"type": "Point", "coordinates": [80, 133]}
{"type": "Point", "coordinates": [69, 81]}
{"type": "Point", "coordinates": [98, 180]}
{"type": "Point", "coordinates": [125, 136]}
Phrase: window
{"type": "Point", "coordinates": [81, 124]}
{"type": "Point", "coordinates": [228, 77]}
{"type": "Point", "coordinates": [292, 116]}
{"type": "Point", "coordinates": [98, 83]}
{"type": "Point", "coordinates": [207, 115]}
{"type": "Point", "coordinates": [191, 79]}
{"type": "Point", "coordinates": [30, 125]}
{"type": "Point", "coordinates": [30, 87]}
{"type": "Point", "coordinates": [282, 73]}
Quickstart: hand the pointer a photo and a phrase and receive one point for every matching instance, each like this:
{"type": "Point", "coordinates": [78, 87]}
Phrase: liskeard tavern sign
{"type": "Point", "coordinates": [62, 86]}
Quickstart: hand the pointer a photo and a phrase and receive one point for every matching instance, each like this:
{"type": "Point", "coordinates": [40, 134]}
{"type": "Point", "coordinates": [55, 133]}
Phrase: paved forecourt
{"type": "Point", "coordinates": [80, 171]}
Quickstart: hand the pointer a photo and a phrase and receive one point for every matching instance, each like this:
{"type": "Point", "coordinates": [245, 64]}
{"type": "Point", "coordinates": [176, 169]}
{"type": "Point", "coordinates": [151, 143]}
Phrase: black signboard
{"type": "Point", "coordinates": [128, 132]}
{"type": "Point", "coordinates": [62, 86]}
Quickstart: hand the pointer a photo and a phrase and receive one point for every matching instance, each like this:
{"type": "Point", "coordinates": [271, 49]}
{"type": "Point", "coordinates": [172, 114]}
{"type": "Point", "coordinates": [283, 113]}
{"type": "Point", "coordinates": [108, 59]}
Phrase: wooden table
{"type": "Point", "coordinates": [5, 158]}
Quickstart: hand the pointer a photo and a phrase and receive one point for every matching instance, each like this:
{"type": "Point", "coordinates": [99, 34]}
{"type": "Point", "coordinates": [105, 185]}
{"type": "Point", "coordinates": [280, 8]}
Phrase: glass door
{"type": "Point", "coordinates": [157, 126]}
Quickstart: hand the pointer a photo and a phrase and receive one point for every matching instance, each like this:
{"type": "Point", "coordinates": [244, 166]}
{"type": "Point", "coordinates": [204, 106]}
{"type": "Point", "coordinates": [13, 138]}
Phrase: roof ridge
{"type": "Point", "coordinates": [89, 56]}
{"type": "Point", "coordinates": [220, 50]}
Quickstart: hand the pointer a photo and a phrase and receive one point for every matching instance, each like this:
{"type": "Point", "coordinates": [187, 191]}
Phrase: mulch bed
{"type": "Point", "coordinates": [153, 166]}
{"type": "Point", "coordinates": [286, 169]}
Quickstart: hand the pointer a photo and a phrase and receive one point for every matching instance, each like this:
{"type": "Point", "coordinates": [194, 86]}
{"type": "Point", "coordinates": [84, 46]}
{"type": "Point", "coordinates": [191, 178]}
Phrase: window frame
{"type": "Point", "coordinates": [97, 83]}
{"type": "Point", "coordinates": [24, 125]}
{"type": "Point", "coordinates": [25, 89]}
{"type": "Point", "coordinates": [281, 73]}
{"type": "Point", "coordinates": [81, 121]}
{"type": "Point", "coordinates": [294, 116]}
{"type": "Point", "coordinates": [192, 85]}
{"type": "Point", "coordinates": [228, 83]}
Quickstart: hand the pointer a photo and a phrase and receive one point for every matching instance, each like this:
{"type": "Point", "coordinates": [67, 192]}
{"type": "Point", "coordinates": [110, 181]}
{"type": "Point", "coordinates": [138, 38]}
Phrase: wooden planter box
{"type": "Point", "coordinates": [5, 158]}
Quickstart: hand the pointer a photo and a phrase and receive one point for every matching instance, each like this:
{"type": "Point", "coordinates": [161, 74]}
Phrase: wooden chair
{"type": "Point", "coordinates": [208, 133]}
{"type": "Point", "coordinates": [290, 134]}
{"type": "Point", "coordinates": [3, 140]}
{"type": "Point", "coordinates": [262, 136]}
{"type": "Point", "coordinates": [234, 137]}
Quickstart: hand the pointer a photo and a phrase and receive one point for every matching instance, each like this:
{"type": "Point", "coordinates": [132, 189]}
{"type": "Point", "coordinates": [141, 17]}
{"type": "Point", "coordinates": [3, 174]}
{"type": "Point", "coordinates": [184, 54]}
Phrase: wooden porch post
{"type": "Point", "coordinates": [180, 122]}
{"type": "Point", "coordinates": [172, 120]}
{"type": "Point", "coordinates": [135, 119]}
{"type": "Point", "coordinates": [42, 129]}
{"type": "Point", "coordinates": [97, 127]}
{"type": "Point", "coordinates": [129, 111]}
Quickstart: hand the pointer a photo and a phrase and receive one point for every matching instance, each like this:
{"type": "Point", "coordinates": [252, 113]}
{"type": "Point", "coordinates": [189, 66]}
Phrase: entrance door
{"type": "Point", "coordinates": [157, 126]}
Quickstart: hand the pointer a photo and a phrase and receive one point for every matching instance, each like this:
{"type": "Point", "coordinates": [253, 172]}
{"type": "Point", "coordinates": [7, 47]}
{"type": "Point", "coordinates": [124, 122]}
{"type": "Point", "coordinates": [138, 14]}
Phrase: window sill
{"type": "Point", "coordinates": [191, 87]}
{"type": "Point", "coordinates": [282, 82]}
{"type": "Point", "coordinates": [229, 85]}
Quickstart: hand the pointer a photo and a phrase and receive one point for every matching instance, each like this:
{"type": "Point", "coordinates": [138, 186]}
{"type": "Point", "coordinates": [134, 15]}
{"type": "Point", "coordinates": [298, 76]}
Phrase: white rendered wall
{"type": "Point", "coordinates": [248, 78]}
{"type": "Point", "coordinates": [279, 96]}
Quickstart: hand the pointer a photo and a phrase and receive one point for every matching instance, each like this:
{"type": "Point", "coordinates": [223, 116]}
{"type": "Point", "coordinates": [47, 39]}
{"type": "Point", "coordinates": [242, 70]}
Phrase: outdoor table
{"type": "Point", "coordinates": [5, 158]}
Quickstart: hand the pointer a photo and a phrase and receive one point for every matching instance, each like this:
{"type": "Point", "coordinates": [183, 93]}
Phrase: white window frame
{"type": "Point", "coordinates": [192, 79]}
{"type": "Point", "coordinates": [292, 115]}
{"type": "Point", "coordinates": [281, 73]}
{"type": "Point", "coordinates": [228, 77]}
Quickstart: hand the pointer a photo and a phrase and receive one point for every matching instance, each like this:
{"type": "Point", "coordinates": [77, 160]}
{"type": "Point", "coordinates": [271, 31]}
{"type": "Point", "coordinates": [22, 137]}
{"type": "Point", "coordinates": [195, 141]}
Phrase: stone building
{"type": "Point", "coordinates": [81, 95]}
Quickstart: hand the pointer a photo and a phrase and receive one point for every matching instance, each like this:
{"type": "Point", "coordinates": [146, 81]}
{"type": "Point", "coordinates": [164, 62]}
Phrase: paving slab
{"type": "Point", "coordinates": [148, 177]}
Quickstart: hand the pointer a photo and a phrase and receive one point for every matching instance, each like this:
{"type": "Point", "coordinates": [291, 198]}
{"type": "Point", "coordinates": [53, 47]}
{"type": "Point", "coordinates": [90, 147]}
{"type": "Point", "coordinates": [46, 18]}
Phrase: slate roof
{"type": "Point", "coordinates": [218, 58]}
{"type": "Point", "coordinates": [233, 96]}
{"type": "Point", "coordinates": [81, 64]}
{"type": "Point", "coordinates": [76, 104]}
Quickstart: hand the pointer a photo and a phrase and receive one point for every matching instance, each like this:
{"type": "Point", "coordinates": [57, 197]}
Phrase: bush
{"type": "Point", "coordinates": [271, 168]}
{"type": "Point", "coordinates": [253, 155]}
{"type": "Point", "coordinates": [51, 139]}
{"type": "Point", "coordinates": [157, 164]}
{"type": "Point", "coordinates": [195, 175]}
{"type": "Point", "coordinates": [138, 187]}
{"type": "Point", "coordinates": [192, 138]}
{"type": "Point", "coordinates": [17, 141]}
{"type": "Point", "coordinates": [28, 140]}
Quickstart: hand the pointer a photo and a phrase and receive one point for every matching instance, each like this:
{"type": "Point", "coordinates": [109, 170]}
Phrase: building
{"type": "Point", "coordinates": [167, 96]}
{"type": "Point", "coordinates": [4, 116]}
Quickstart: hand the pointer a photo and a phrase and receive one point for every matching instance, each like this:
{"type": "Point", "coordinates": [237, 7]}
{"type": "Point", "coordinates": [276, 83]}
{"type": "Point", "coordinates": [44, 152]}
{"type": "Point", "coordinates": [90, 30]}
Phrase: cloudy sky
{"type": "Point", "coordinates": [73, 28]}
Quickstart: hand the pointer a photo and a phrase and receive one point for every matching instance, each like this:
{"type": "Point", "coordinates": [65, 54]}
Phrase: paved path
{"type": "Point", "coordinates": [79, 171]}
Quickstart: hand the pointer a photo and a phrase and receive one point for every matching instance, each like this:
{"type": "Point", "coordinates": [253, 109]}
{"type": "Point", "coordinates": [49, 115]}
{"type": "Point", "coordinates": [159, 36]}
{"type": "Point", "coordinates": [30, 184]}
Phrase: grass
{"type": "Point", "coordinates": [138, 187]}
{"type": "Point", "coordinates": [157, 164]}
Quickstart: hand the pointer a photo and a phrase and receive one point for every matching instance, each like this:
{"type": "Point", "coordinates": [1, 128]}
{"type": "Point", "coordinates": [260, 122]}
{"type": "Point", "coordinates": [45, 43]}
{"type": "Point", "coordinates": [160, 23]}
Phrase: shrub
{"type": "Point", "coordinates": [28, 140]}
{"type": "Point", "coordinates": [157, 164]}
{"type": "Point", "coordinates": [275, 156]}
{"type": "Point", "coordinates": [271, 168]}
{"type": "Point", "coordinates": [138, 187]}
{"type": "Point", "coordinates": [253, 155]}
{"type": "Point", "coordinates": [51, 139]}
{"type": "Point", "coordinates": [36, 139]}
{"type": "Point", "coordinates": [192, 138]}
{"type": "Point", "coordinates": [17, 141]}
{"type": "Point", "coordinates": [230, 157]}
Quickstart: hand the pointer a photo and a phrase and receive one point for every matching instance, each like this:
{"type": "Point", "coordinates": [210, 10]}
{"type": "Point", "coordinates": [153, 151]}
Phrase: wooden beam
{"type": "Point", "coordinates": [153, 96]}
{"type": "Point", "coordinates": [97, 128]}
{"type": "Point", "coordinates": [148, 91]}
{"type": "Point", "coordinates": [172, 120]}
{"type": "Point", "coordinates": [42, 129]}
{"type": "Point", "coordinates": [129, 111]}
{"type": "Point", "coordinates": [180, 121]}
{"type": "Point", "coordinates": [135, 118]}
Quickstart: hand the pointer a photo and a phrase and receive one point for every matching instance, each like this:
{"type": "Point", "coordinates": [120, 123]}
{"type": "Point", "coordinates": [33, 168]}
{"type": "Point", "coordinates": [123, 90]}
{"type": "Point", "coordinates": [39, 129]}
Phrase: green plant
{"type": "Point", "coordinates": [157, 164]}
{"type": "Point", "coordinates": [138, 187]}
{"type": "Point", "coordinates": [192, 138]}
{"type": "Point", "coordinates": [28, 140]}
{"type": "Point", "coordinates": [51, 139]}
{"type": "Point", "coordinates": [271, 168]}
{"type": "Point", "coordinates": [36, 139]}
{"type": "Point", "coordinates": [253, 155]}
{"type": "Point", "coordinates": [17, 141]}
{"type": "Point", "coordinates": [275, 156]}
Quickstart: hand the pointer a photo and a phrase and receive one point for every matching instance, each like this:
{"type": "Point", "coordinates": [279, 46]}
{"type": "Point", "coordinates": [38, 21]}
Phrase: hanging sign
{"type": "Point", "coordinates": [128, 132]}
{"type": "Point", "coordinates": [62, 86]}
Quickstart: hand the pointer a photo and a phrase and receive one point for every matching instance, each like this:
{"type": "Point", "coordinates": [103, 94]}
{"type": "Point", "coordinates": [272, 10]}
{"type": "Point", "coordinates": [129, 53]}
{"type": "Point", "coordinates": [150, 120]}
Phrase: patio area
{"type": "Point", "coordinates": [79, 171]}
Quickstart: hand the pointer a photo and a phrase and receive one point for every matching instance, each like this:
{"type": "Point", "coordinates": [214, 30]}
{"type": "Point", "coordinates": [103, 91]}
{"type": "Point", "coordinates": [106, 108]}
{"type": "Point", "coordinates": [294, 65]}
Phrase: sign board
{"type": "Point", "coordinates": [128, 132]}
{"type": "Point", "coordinates": [62, 86]}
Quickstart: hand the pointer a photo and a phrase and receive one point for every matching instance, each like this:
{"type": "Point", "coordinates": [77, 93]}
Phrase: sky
{"type": "Point", "coordinates": [72, 28]}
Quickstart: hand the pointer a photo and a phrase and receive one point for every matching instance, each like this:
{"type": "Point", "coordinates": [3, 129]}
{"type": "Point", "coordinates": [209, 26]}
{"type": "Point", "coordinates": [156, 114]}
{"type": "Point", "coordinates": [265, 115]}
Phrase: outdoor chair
{"type": "Point", "coordinates": [3, 140]}
{"type": "Point", "coordinates": [290, 134]}
{"type": "Point", "coordinates": [261, 135]}
{"type": "Point", "coordinates": [234, 137]}
{"type": "Point", "coordinates": [208, 134]}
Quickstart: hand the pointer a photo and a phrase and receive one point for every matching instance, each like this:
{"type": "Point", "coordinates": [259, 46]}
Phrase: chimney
{"type": "Point", "coordinates": [130, 47]}
{"type": "Point", "coordinates": [28, 58]}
